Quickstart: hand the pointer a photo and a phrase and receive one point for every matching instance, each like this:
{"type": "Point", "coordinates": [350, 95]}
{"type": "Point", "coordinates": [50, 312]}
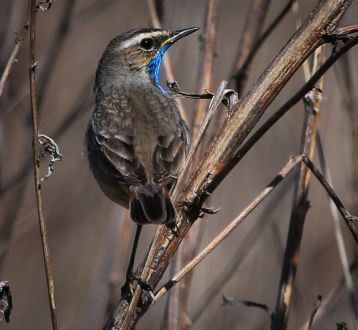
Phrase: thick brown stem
{"type": "Point", "coordinates": [238, 125]}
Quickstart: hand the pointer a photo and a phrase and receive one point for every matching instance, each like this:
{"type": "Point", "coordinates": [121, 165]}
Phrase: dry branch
{"type": "Point", "coordinates": [338, 51]}
{"type": "Point", "coordinates": [314, 312]}
{"type": "Point", "coordinates": [12, 59]}
{"type": "Point", "coordinates": [36, 167]}
{"type": "Point", "coordinates": [248, 45]}
{"type": "Point", "coordinates": [240, 75]}
{"type": "Point", "coordinates": [286, 170]}
{"type": "Point", "coordinates": [212, 169]}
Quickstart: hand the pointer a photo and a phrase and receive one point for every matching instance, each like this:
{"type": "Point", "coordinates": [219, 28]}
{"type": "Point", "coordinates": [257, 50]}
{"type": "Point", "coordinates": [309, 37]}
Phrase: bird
{"type": "Point", "coordinates": [136, 140]}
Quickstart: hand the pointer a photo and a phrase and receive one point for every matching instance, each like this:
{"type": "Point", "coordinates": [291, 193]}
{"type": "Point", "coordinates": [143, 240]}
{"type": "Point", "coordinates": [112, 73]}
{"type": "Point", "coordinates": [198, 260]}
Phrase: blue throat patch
{"type": "Point", "coordinates": [153, 68]}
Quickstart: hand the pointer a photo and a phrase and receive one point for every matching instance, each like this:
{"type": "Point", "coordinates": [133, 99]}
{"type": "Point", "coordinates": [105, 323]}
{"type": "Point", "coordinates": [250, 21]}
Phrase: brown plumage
{"type": "Point", "coordinates": [136, 139]}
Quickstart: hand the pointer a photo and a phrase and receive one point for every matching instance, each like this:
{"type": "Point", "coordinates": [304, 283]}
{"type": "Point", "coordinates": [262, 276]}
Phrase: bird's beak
{"type": "Point", "coordinates": [176, 35]}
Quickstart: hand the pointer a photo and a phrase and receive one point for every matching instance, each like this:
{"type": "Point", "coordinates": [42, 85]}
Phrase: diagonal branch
{"type": "Point", "coordinates": [286, 170]}
{"type": "Point", "coordinates": [246, 147]}
{"type": "Point", "coordinates": [211, 170]}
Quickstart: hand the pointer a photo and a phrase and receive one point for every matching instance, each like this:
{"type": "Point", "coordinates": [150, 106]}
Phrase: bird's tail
{"type": "Point", "coordinates": [151, 204]}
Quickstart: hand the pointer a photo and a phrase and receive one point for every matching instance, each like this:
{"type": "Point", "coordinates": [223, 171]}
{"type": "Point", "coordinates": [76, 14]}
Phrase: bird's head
{"type": "Point", "coordinates": [140, 51]}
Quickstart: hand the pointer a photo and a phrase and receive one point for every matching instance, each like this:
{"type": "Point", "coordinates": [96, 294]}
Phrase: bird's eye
{"type": "Point", "coordinates": [147, 43]}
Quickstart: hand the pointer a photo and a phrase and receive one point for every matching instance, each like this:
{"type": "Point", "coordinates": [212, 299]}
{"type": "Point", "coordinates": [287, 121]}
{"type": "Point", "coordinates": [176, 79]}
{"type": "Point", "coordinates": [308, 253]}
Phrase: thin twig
{"type": "Point", "coordinates": [331, 296]}
{"type": "Point", "coordinates": [241, 253]}
{"type": "Point", "coordinates": [312, 101]}
{"type": "Point", "coordinates": [36, 166]}
{"type": "Point", "coordinates": [248, 45]}
{"type": "Point", "coordinates": [227, 300]}
{"type": "Point", "coordinates": [213, 107]}
{"type": "Point", "coordinates": [240, 74]}
{"type": "Point", "coordinates": [12, 59]}
{"type": "Point", "coordinates": [348, 218]}
{"type": "Point", "coordinates": [317, 305]}
{"type": "Point", "coordinates": [292, 163]}
{"type": "Point", "coordinates": [243, 150]}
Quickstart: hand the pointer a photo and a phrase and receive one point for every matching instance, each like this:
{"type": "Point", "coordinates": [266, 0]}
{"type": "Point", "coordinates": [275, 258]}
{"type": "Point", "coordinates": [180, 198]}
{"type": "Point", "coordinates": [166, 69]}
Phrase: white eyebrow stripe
{"type": "Point", "coordinates": [136, 39]}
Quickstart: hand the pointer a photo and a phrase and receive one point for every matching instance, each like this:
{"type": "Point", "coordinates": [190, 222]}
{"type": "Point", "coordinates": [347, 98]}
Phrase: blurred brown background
{"type": "Point", "coordinates": [84, 227]}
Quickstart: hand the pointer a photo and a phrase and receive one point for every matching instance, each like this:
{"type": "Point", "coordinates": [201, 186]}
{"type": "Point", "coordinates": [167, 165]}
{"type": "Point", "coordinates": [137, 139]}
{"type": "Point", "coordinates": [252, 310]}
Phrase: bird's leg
{"type": "Point", "coordinates": [133, 253]}
{"type": "Point", "coordinates": [196, 208]}
{"type": "Point", "coordinates": [126, 288]}
{"type": "Point", "coordinates": [130, 275]}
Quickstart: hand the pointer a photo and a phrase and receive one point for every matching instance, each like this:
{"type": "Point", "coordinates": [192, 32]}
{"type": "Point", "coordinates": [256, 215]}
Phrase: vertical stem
{"type": "Point", "coordinates": [36, 164]}
{"type": "Point", "coordinates": [300, 203]}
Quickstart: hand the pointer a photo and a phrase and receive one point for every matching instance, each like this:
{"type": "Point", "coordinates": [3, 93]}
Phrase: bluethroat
{"type": "Point", "coordinates": [136, 140]}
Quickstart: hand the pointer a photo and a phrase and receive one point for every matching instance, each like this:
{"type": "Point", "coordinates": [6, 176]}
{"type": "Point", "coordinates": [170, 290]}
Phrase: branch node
{"type": "Point", "coordinates": [34, 66]}
{"type": "Point", "coordinates": [44, 5]}
{"type": "Point", "coordinates": [49, 147]}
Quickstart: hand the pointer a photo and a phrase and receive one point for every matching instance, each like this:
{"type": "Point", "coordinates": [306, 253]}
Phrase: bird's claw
{"type": "Point", "coordinates": [208, 210]}
{"type": "Point", "coordinates": [174, 228]}
{"type": "Point", "coordinates": [128, 287]}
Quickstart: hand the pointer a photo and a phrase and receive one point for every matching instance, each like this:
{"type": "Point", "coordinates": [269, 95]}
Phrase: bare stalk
{"type": "Point", "coordinates": [12, 59]}
{"type": "Point", "coordinates": [300, 201]}
{"type": "Point", "coordinates": [36, 164]}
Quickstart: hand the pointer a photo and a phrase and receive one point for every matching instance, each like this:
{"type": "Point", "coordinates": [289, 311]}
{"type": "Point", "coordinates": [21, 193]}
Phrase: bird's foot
{"type": "Point", "coordinates": [198, 211]}
{"type": "Point", "coordinates": [129, 286]}
{"type": "Point", "coordinates": [174, 228]}
{"type": "Point", "coordinates": [208, 210]}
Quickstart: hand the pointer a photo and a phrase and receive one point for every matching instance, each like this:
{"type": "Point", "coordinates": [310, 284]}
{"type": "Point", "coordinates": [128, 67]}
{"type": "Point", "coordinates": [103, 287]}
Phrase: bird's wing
{"type": "Point", "coordinates": [169, 155]}
{"type": "Point", "coordinates": [119, 150]}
